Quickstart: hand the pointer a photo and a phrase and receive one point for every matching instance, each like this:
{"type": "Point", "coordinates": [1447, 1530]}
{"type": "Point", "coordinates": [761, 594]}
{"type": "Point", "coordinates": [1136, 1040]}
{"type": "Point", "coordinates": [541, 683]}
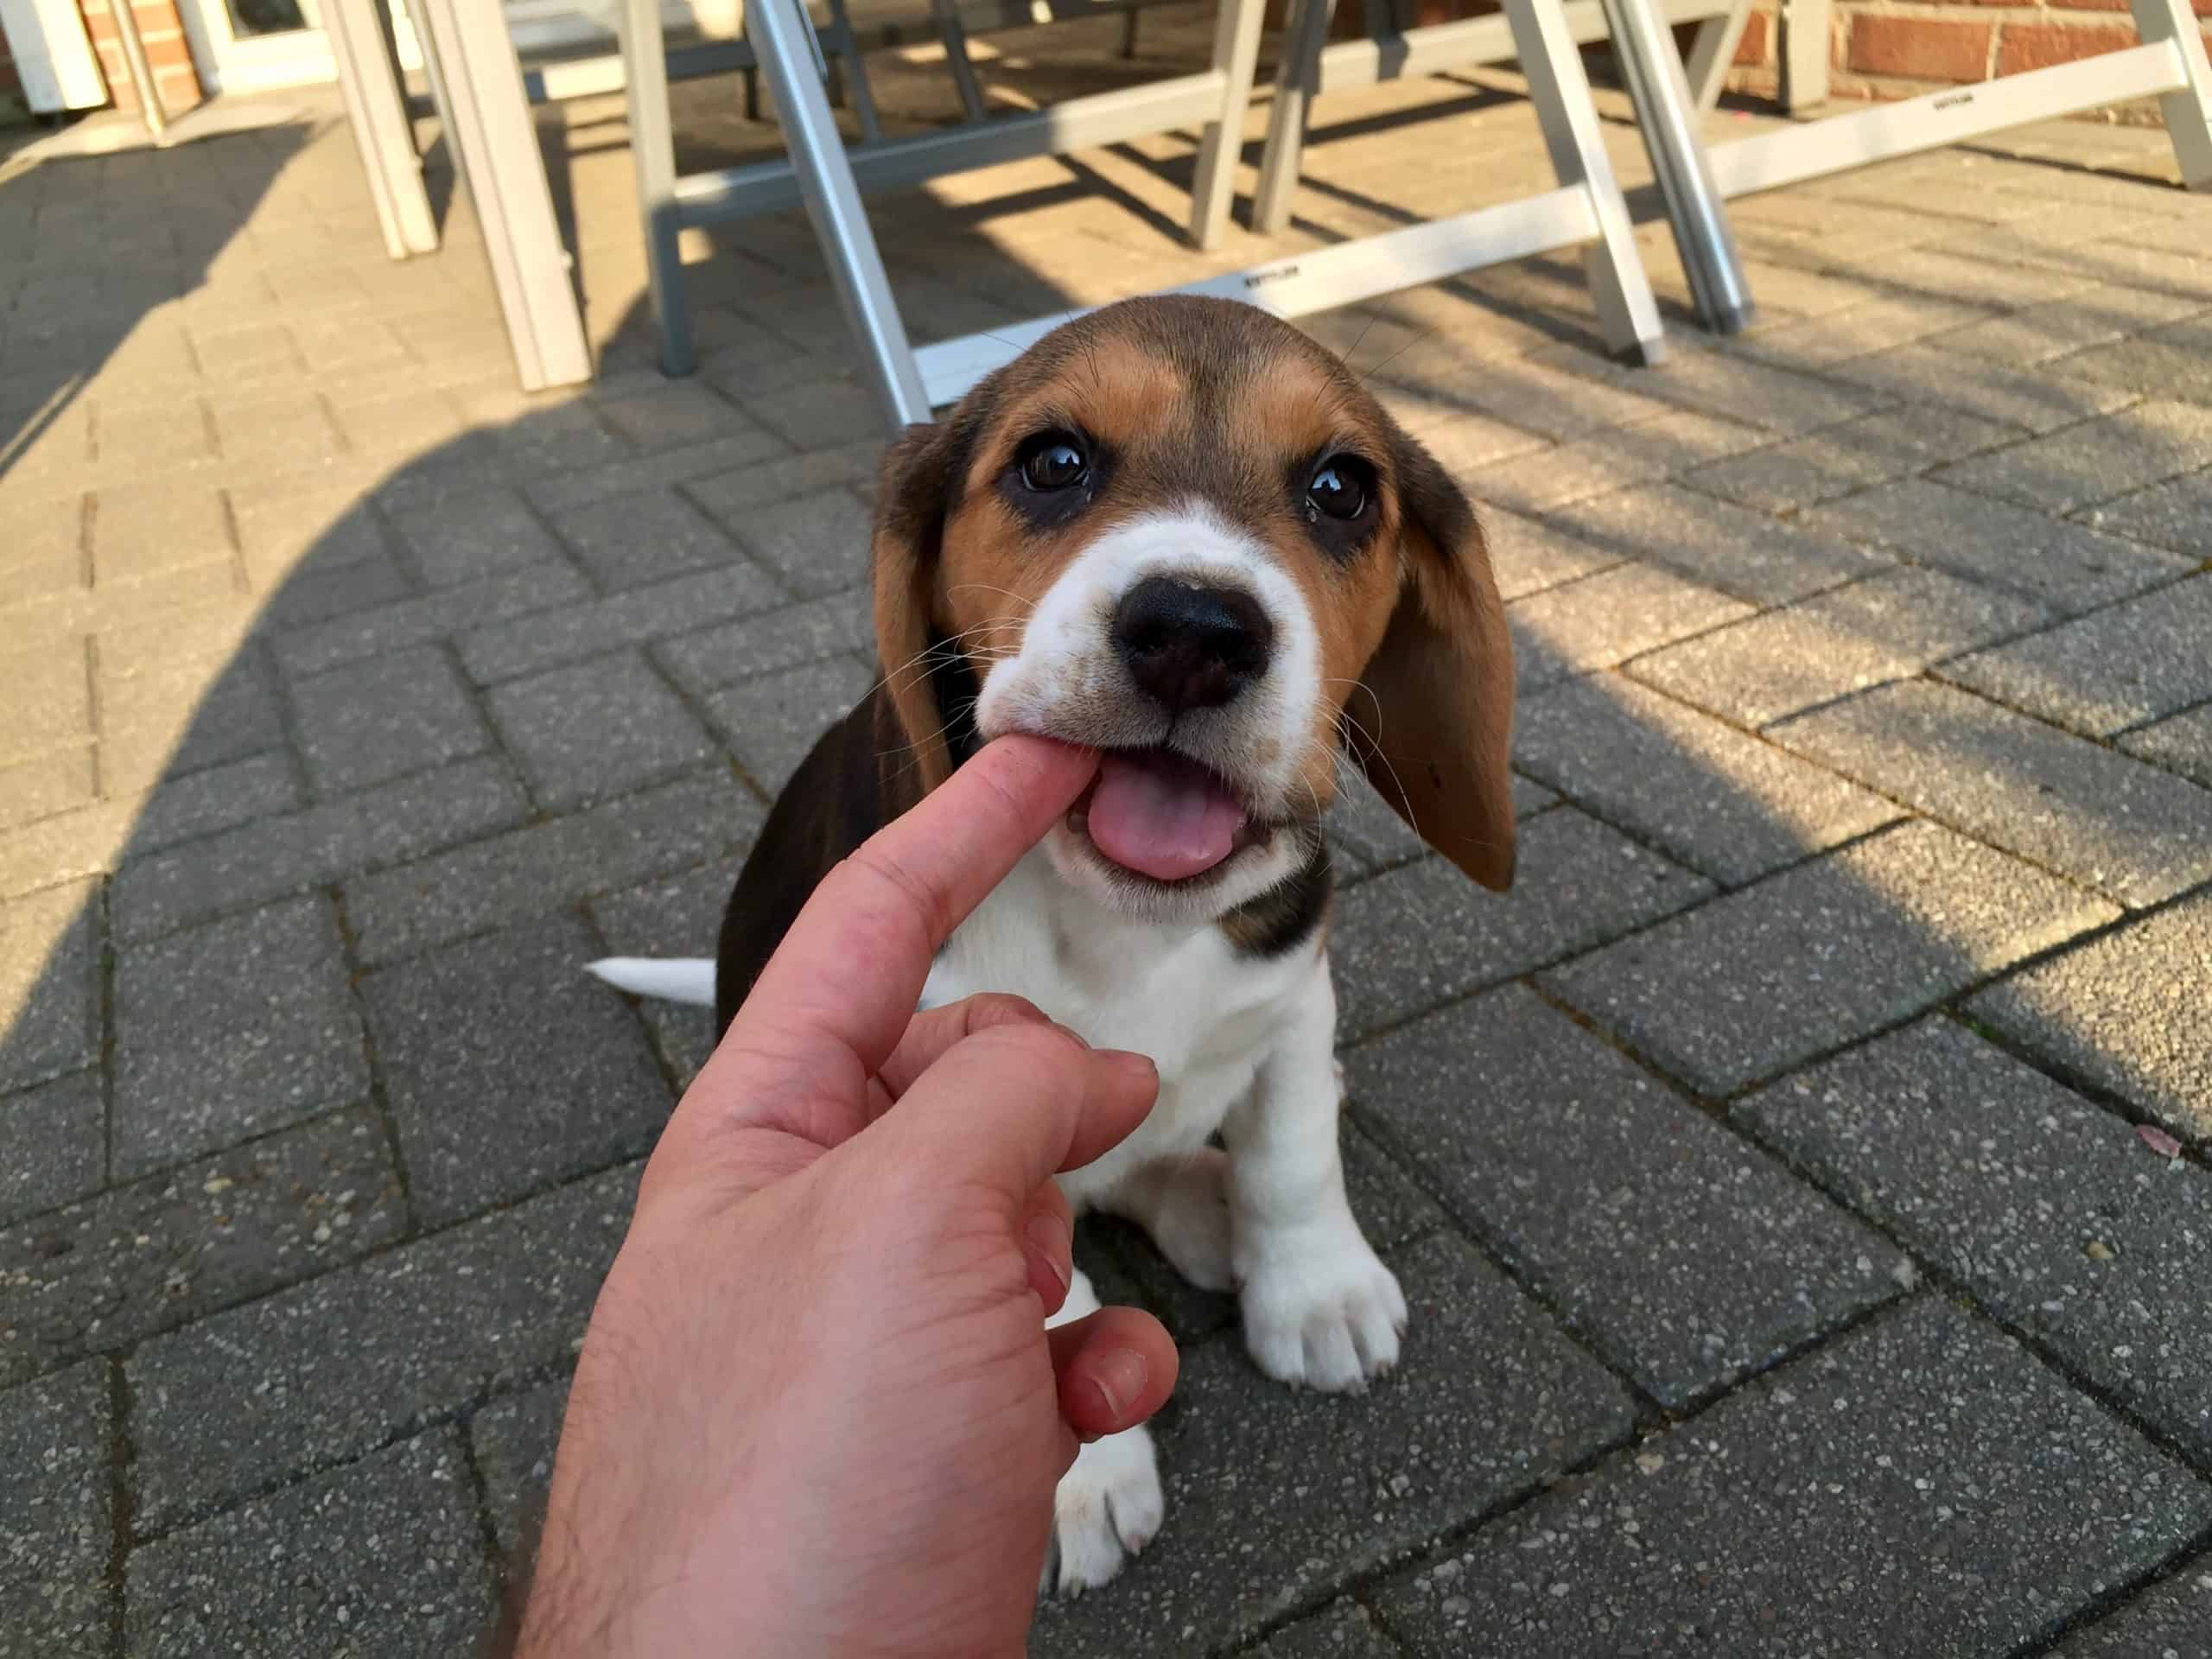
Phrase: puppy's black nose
{"type": "Point", "coordinates": [1191, 647]}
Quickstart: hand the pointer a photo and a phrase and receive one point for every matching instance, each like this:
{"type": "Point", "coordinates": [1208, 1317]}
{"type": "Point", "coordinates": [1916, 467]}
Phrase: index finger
{"type": "Point", "coordinates": [852, 967]}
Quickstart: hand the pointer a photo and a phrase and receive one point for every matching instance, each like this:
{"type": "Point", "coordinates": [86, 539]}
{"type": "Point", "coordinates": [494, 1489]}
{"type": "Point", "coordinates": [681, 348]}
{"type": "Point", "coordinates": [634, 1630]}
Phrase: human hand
{"type": "Point", "coordinates": [816, 1411]}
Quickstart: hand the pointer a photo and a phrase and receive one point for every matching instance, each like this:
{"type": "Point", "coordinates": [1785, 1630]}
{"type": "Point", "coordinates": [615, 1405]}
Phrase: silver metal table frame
{"type": "Point", "coordinates": [1585, 208]}
{"type": "Point", "coordinates": [2171, 65]}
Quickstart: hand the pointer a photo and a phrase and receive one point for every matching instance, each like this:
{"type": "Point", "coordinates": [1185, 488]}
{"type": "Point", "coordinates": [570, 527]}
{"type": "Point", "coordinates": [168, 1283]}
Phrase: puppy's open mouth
{"type": "Point", "coordinates": [1159, 814]}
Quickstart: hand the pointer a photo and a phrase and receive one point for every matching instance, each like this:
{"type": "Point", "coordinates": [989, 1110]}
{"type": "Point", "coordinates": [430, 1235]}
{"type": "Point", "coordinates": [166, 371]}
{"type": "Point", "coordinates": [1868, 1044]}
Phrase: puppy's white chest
{"type": "Point", "coordinates": [1205, 1013]}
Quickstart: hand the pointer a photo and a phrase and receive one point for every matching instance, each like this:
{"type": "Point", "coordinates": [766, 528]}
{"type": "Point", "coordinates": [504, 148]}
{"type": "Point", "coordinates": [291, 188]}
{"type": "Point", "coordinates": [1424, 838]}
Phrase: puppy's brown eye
{"type": "Point", "coordinates": [1054, 463]}
{"type": "Point", "coordinates": [1338, 490]}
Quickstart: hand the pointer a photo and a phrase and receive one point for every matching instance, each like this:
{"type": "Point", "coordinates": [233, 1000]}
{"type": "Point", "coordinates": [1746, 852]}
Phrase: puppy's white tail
{"type": "Point", "coordinates": [672, 979]}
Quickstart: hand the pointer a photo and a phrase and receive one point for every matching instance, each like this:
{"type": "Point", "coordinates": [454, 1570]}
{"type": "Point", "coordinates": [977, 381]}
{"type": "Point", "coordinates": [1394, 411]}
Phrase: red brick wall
{"type": "Point", "coordinates": [1899, 48]}
{"type": "Point", "coordinates": [167, 51]}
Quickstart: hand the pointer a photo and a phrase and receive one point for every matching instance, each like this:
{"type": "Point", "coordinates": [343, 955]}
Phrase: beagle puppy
{"type": "Point", "coordinates": [1179, 531]}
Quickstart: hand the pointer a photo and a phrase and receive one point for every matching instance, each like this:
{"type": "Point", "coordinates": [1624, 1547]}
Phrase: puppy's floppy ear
{"type": "Point", "coordinates": [913, 495]}
{"type": "Point", "coordinates": [1437, 735]}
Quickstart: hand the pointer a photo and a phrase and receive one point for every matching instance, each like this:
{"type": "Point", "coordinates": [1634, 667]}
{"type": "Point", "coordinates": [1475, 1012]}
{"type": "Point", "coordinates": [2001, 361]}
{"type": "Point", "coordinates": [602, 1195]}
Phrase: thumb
{"type": "Point", "coordinates": [1013, 1105]}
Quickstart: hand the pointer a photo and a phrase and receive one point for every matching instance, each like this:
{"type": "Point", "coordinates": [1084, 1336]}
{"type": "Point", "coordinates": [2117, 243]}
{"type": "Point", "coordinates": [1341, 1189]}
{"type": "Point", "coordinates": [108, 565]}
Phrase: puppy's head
{"type": "Point", "coordinates": [1178, 530]}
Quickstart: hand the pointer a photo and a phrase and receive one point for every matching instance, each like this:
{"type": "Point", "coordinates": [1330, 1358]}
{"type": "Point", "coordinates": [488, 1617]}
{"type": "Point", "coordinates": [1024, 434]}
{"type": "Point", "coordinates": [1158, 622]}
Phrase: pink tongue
{"type": "Point", "coordinates": [1162, 815]}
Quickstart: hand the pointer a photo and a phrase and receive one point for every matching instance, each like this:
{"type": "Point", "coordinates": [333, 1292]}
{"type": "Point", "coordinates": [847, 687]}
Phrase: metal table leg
{"type": "Point", "coordinates": [1653, 71]}
{"type": "Point", "coordinates": [1235, 50]}
{"type": "Point", "coordinates": [495, 151]}
{"type": "Point", "coordinates": [652, 155]}
{"type": "Point", "coordinates": [376, 108]}
{"type": "Point", "coordinates": [779, 30]}
{"type": "Point", "coordinates": [1298, 79]}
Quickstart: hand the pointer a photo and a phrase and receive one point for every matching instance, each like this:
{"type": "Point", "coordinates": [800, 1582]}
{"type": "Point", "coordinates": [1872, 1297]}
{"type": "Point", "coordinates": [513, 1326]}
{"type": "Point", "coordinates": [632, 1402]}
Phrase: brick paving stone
{"type": "Point", "coordinates": [817, 414]}
{"type": "Point", "coordinates": [2065, 567]}
{"type": "Point", "coordinates": [307, 596]}
{"type": "Point", "coordinates": [470, 538]}
{"type": "Point", "coordinates": [1774, 973]}
{"type": "Point", "coordinates": [676, 916]}
{"type": "Point", "coordinates": [772, 722]}
{"type": "Point", "coordinates": [2173, 1621]}
{"type": "Point", "coordinates": [506, 1067]}
{"type": "Point", "coordinates": [2084, 465]}
{"type": "Point", "coordinates": [788, 636]}
{"type": "Point", "coordinates": [1602, 620]}
{"type": "Point", "coordinates": [1839, 459]}
{"type": "Point", "coordinates": [816, 544]}
{"type": "Point", "coordinates": [56, 1135]}
{"type": "Point", "coordinates": [2054, 327]}
{"type": "Point", "coordinates": [597, 728]}
{"type": "Point", "coordinates": [277, 857]}
{"type": "Point", "coordinates": [215, 797]}
{"type": "Point", "coordinates": [514, 1440]}
{"type": "Point", "coordinates": [1879, 326]}
{"type": "Point", "coordinates": [1887, 627]}
{"type": "Point", "coordinates": [2180, 743]}
{"type": "Point", "coordinates": [50, 701]}
{"type": "Point", "coordinates": [1347, 1631]}
{"type": "Point", "coordinates": [433, 616]}
{"type": "Point", "coordinates": [49, 982]}
{"type": "Point", "coordinates": [1688, 1257]}
{"type": "Point", "coordinates": [2134, 662]}
{"type": "Point", "coordinates": [1551, 399]}
{"type": "Point", "coordinates": [547, 865]}
{"type": "Point", "coordinates": [160, 725]}
{"type": "Point", "coordinates": [2115, 1013]}
{"type": "Point", "coordinates": [371, 721]}
{"type": "Point", "coordinates": [1365, 834]}
{"type": "Point", "coordinates": [1764, 560]}
{"type": "Point", "coordinates": [1527, 555]}
{"type": "Point", "coordinates": [672, 414]}
{"type": "Point", "coordinates": [2032, 401]}
{"type": "Point", "coordinates": [2171, 361]}
{"type": "Point", "coordinates": [1614, 460]}
{"type": "Point", "coordinates": [56, 1500]}
{"type": "Point", "coordinates": [53, 782]}
{"type": "Point", "coordinates": [325, 1370]}
{"type": "Point", "coordinates": [564, 488]}
{"type": "Point", "coordinates": [1736, 387]}
{"type": "Point", "coordinates": [633, 541]}
{"type": "Point", "coordinates": [230, 1030]}
{"type": "Point", "coordinates": [381, 1556]}
{"type": "Point", "coordinates": [1722, 803]}
{"type": "Point", "coordinates": [1423, 934]}
{"type": "Point", "coordinates": [731, 496]}
{"type": "Point", "coordinates": [2177, 515]}
{"type": "Point", "coordinates": [1922, 1486]}
{"type": "Point", "coordinates": [2130, 832]}
{"type": "Point", "coordinates": [113, 1269]}
{"type": "Point", "coordinates": [550, 638]}
{"type": "Point", "coordinates": [1487, 1402]}
{"type": "Point", "coordinates": [2048, 1209]}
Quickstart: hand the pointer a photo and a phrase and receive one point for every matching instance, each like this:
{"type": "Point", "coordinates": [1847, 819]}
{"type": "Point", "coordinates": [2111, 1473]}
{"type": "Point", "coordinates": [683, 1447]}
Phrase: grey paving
{"type": "Point", "coordinates": [629, 541]}
{"type": "Point", "coordinates": [1487, 1401]}
{"type": "Point", "coordinates": [1764, 559]}
{"type": "Point", "coordinates": [1602, 620]}
{"type": "Point", "coordinates": [770, 721]}
{"type": "Point", "coordinates": [1886, 627]}
{"type": "Point", "coordinates": [49, 977]}
{"type": "Point", "coordinates": [428, 618]}
{"type": "Point", "coordinates": [790, 636]}
{"type": "Point", "coordinates": [371, 723]}
{"type": "Point", "coordinates": [2021, 399]}
{"type": "Point", "coordinates": [2173, 1621]}
{"type": "Point", "coordinates": [274, 857]}
{"type": "Point", "coordinates": [548, 865]}
{"type": "Point", "coordinates": [56, 1525]}
{"type": "Point", "coordinates": [381, 1556]}
{"type": "Point", "coordinates": [513, 1440]}
{"type": "Point", "coordinates": [217, 797]}
{"type": "Point", "coordinates": [1345, 1631]}
{"type": "Point", "coordinates": [1713, 797]}
{"type": "Point", "coordinates": [1588, 1176]}
{"type": "Point", "coordinates": [816, 544]}
{"type": "Point", "coordinates": [2180, 743]}
{"type": "Point", "coordinates": [2114, 1014]}
{"type": "Point", "coordinates": [2063, 566]}
{"type": "Point", "coordinates": [228, 1030]}
{"type": "Point", "coordinates": [1527, 555]}
{"type": "Point", "coordinates": [2081, 466]}
{"type": "Point", "coordinates": [1422, 934]}
{"type": "Point", "coordinates": [57, 1139]}
{"type": "Point", "coordinates": [673, 916]}
{"type": "Point", "coordinates": [333, 1368]}
{"type": "Point", "coordinates": [2122, 666]}
{"type": "Point", "coordinates": [1772, 974]}
{"type": "Point", "coordinates": [2177, 515]}
{"type": "Point", "coordinates": [486, 1113]}
{"type": "Point", "coordinates": [2051, 1212]}
{"type": "Point", "coordinates": [2128, 830]}
{"type": "Point", "coordinates": [1917, 1488]}
{"type": "Point", "coordinates": [114, 1267]}
{"type": "Point", "coordinates": [468, 538]}
{"type": "Point", "coordinates": [598, 728]}
{"type": "Point", "coordinates": [1840, 459]}
{"type": "Point", "coordinates": [2171, 361]}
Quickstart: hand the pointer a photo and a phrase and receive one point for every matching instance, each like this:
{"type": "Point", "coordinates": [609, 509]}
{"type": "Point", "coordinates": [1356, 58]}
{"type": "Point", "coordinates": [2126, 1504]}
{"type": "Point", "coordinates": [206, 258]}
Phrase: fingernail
{"type": "Point", "coordinates": [1119, 1377]}
{"type": "Point", "coordinates": [1138, 1069]}
{"type": "Point", "coordinates": [1048, 1236]}
{"type": "Point", "coordinates": [1071, 1032]}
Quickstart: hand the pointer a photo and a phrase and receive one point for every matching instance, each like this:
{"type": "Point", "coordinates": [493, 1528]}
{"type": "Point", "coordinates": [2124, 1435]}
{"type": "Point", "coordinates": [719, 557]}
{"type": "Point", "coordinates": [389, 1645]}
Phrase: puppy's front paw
{"type": "Point", "coordinates": [1107, 1508]}
{"type": "Point", "coordinates": [1321, 1309]}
